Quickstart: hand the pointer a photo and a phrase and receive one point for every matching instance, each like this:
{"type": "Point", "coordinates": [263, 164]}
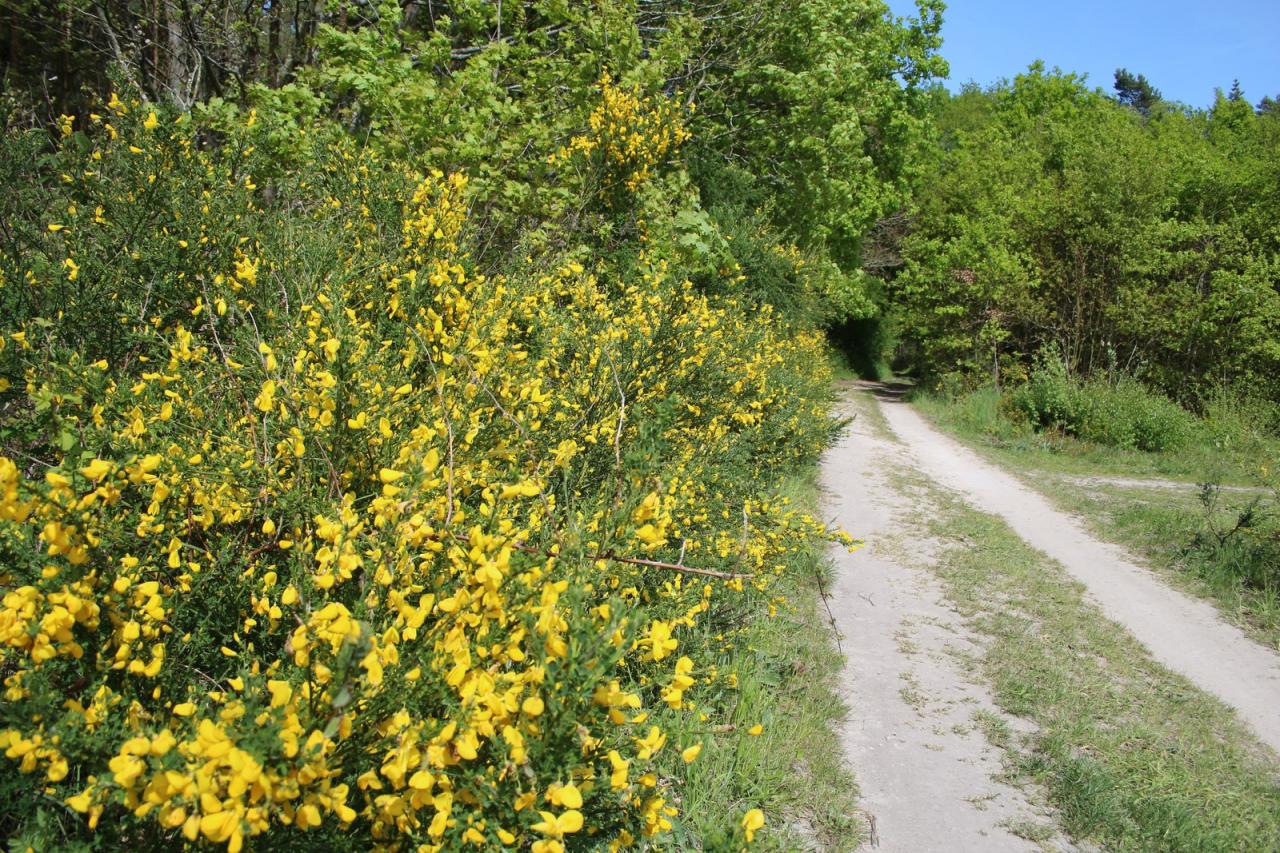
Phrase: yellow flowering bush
{"type": "Point", "coordinates": [628, 135]}
{"type": "Point", "coordinates": [310, 530]}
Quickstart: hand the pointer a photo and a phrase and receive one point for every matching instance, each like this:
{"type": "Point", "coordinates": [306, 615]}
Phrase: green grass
{"type": "Point", "coordinates": [1226, 454]}
{"type": "Point", "coordinates": [1133, 756]}
{"type": "Point", "coordinates": [794, 770]}
{"type": "Point", "coordinates": [1162, 527]}
{"type": "Point", "coordinates": [1167, 527]}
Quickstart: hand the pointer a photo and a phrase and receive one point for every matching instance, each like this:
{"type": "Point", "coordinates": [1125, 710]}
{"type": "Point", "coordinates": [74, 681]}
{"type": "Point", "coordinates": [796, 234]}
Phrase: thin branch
{"type": "Point", "coordinates": [826, 603]}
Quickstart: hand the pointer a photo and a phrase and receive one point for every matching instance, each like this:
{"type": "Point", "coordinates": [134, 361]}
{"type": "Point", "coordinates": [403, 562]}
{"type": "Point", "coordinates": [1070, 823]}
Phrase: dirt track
{"type": "Point", "coordinates": [926, 779]}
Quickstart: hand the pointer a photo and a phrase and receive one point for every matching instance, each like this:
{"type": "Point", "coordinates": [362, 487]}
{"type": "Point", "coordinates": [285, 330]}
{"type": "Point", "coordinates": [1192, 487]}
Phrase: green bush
{"type": "Point", "coordinates": [1128, 415]}
{"type": "Point", "coordinates": [1239, 420]}
{"type": "Point", "coordinates": [1123, 413]}
{"type": "Point", "coordinates": [1050, 399]}
{"type": "Point", "coordinates": [988, 412]}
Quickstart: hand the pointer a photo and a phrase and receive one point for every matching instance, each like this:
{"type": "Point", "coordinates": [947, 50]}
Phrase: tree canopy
{"type": "Point", "coordinates": [1058, 217]}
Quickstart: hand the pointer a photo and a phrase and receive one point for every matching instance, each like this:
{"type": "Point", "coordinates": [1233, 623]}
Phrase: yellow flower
{"type": "Point", "coordinates": [97, 469]}
{"type": "Point", "coordinates": [559, 826]}
{"type": "Point", "coordinates": [752, 821]}
{"type": "Point", "coordinates": [618, 778]}
{"type": "Point", "coordinates": [651, 536]}
{"type": "Point", "coordinates": [125, 769]}
{"type": "Point", "coordinates": [546, 845]}
{"type": "Point", "coordinates": [58, 769]}
{"type": "Point", "coordinates": [266, 396]}
{"type": "Point", "coordinates": [673, 694]}
{"type": "Point", "coordinates": [659, 640]}
{"type": "Point", "coordinates": [247, 272]}
{"type": "Point", "coordinates": [567, 796]}
{"type": "Point", "coordinates": [651, 743]}
{"type": "Point", "coordinates": [308, 816]}
{"type": "Point", "coordinates": [280, 691]}
{"type": "Point", "coordinates": [151, 122]}
{"type": "Point", "coordinates": [217, 827]}
{"type": "Point", "coordinates": [691, 753]}
{"type": "Point", "coordinates": [80, 802]}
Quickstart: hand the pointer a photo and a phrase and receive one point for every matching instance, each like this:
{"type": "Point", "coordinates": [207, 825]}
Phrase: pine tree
{"type": "Point", "coordinates": [1135, 91]}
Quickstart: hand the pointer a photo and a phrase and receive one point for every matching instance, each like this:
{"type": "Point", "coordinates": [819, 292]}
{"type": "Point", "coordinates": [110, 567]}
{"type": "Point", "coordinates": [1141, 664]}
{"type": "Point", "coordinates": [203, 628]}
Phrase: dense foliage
{"type": "Point", "coordinates": [1139, 240]}
{"type": "Point", "coordinates": [1122, 414]}
{"type": "Point", "coordinates": [389, 430]}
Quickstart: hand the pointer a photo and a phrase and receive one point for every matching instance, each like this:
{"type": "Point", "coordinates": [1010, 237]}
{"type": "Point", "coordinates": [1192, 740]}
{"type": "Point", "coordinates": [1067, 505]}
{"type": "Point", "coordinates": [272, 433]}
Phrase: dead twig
{"type": "Point", "coordinates": [826, 603]}
{"type": "Point", "coordinates": [874, 838]}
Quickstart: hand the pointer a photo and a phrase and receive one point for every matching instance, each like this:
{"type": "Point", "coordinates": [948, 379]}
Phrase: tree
{"type": "Point", "coordinates": [968, 111]}
{"type": "Point", "coordinates": [1135, 91]}
{"type": "Point", "coordinates": [1069, 221]}
{"type": "Point", "coordinates": [828, 100]}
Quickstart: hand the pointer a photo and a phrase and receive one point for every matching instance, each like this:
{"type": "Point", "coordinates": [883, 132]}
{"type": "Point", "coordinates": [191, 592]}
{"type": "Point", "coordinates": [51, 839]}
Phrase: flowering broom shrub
{"type": "Point", "coordinates": [312, 535]}
{"type": "Point", "coordinates": [628, 136]}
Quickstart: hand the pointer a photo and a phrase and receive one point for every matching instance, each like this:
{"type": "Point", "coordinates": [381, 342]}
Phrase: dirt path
{"type": "Point", "coordinates": [1183, 633]}
{"type": "Point", "coordinates": [929, 778]}
{"type": "Point", "coordinates": [927, 773]}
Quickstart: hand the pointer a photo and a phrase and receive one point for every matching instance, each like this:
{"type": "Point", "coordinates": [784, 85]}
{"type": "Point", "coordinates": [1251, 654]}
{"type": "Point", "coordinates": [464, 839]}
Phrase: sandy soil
{"type": "Point", "coordinates": [927, 773]}
{"type": "Point", "coordinates": [1156, 483]}
{"type": "Point", "coordinates": [928, 776]}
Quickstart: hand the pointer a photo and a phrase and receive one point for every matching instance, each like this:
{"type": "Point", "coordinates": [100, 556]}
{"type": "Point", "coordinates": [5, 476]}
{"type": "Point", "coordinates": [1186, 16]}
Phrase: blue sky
{"type": "Point", "coordinates": [1185, 48]}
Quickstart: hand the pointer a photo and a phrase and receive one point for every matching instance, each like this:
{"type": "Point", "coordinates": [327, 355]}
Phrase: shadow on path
{"type": "Point", "coordinates": [885, 392]}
